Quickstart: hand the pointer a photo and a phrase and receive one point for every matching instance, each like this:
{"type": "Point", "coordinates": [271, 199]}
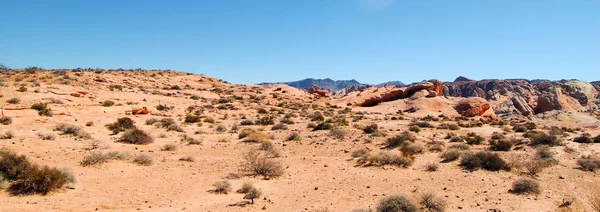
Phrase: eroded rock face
{"type": "Point", "coordinates": [429, 89]}
{"type": "Point", "coordinates": [316, 90]}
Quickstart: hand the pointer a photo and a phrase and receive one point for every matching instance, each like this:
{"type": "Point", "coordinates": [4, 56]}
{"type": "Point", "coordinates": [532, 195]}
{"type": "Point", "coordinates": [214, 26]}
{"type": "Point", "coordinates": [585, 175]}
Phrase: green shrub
{"type": "Point", "coordinates": [474, 140]}
{"type": "Point", "coordinates": [415, 129]}
{"type": "Point", "coordinates": [42, 109]}
{"type": "Point", "coordinates": [502, 144]}
{"type": "Point", "coordinates": [246, 122]}
{"type": "Point", "coordinates": [279, 127]}
{"type": "Point", "coordinates": [544, 139]}
{"type": "Point", "coordinates": [526, 186]}
{"type": "Point", "coordinates": [189, 118]}
{"type": "Point", "coordinates": [370, 128]}
{"type": "Point", "coordinates": [294, 137]}
{"type": "Point", "coordinates": [136, 136]}
{"type": "Point", "coordinates": [121, 125]}
{"type": "Point", "coordinates": [519, 128]}
{"type": "Point", "coordinates": [584, 138]}
{"type": "Point", "coordinates": [323, 126]}
{"type": "Point", "coordinates": [422, 124]}
{"type": "Point", "coordinates": [449, 126]}
{"type": "Point", "coordinates": [396, 203]}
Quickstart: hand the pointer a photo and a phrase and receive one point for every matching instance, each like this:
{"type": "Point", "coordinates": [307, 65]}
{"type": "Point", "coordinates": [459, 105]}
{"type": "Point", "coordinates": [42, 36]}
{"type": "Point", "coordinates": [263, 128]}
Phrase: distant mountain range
{"type": "Point", "coordinates": [333, 85]}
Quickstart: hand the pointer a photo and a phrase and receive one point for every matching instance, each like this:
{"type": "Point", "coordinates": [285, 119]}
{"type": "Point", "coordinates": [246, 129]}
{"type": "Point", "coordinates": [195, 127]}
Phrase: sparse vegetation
{"type": "Point", "coordinates": [121, 125]}
{"type": "Point", "coordinates": [526, 186]}
{"type": "Point", "coordinates": [42, 109]}
{"type": "Point", "coordinates": [222, 187]}
{"type": "Point", "coordinates": [72, 130]}
{"type": "Point", "coordinates": [589, 163]}
{"type": "Point", "coordinates": [5, 120]}
{"type": "Point", "coordinates": [108, 103]}
{"type": "Point", "coordinates": [258, 163]}
{"type": "Point", "coordinates": [294, 137]}
{"type": "Point", "coordinates": [396, 203]}
{"type": "Point", "coordinates": [544, 139]}
{"type": "Point", "coordinates": [399, 140]}
{"type": "Point", "coordinates": [136, 136]}
{"type": "Point", "coordinates": [485, 160]}
{"type": "Point", "coordinates": [13, 101]}
{"type": "Point", "coordinates": [144, 160]}
{"type": "Point", "coordinates": [431, 202]}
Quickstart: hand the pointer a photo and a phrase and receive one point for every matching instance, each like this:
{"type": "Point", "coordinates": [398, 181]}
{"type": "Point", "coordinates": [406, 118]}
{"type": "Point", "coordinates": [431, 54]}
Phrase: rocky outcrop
{"type": "Point", "coordinates": [475, 106]}
{"type": "Point", "coordinates": [431, 88]}
{"type": "Point", "coordinates": [463, 79]}
{"type": "Point", "coordinates": [318, 91]}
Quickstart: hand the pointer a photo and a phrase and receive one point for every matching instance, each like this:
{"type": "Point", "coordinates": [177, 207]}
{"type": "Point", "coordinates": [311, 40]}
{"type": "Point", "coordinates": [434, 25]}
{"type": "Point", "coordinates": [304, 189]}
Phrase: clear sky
{"type": "Point", "coordinates": [252, 41]}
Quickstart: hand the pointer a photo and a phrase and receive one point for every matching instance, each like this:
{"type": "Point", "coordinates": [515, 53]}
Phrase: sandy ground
{"type": "Point", "coordinates": [319, 171]}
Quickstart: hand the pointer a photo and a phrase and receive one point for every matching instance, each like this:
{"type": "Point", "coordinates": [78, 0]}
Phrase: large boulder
{"type": "Point", "coordinates": [317, 91]}
{"type": "Point", "coordinates": [471, 107]}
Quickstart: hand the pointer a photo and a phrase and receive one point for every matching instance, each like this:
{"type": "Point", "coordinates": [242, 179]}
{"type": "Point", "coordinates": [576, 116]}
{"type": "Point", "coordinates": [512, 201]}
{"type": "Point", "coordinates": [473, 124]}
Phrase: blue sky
{"type": "Point", "coordinates": [252, 41]}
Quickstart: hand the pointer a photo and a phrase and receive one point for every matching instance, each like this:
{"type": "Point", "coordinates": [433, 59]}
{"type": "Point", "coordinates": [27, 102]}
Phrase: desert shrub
{"type": "Point", "coordinates": [108, 103]}
{"type": "Point", "coordinates": [370, 128]}
{"type": "Point", "coordinates": [269, 148]}
{"type": "Point", "coordinates": [144, 160]}
{"type": "Point", "coordinates": [449, 126]}
{"type": "Point", "coordinates": [46, 136]}
{"type": "Point", "coordinates": [317, 116]}
{"type": "Point", "coordinates": [415, 129]}
{"type": "Point", "coordinates": [431, 167]}
{"type": "Point", "coordinates": [94, 158]}
{"type": "Point", "coordinates": [422, 124]}
{"type": "Point", "coordinates": [209, 120]}
{"type": "Point", "coordinates": [39, 181]}
{"type": "Point", "coordinates": [7, 135]}
{"type": "Point", "coordinates": [474, 140]}
{"type": "Point", "coordinates": [222, 187]}
{"type": "Point", "coordinates": [294, 137]}
{"type": "Point", "coordinates": [459, 146]}
{"type": "Point", "coordinates": [338, 133]}
{"type": "Point", "coordinates": [437, 147]}
{"type": "Point", "coordinates": [597, 139]}
{"type": "Point", "coordinates": [386, 158]}
{"type": "Point", "coordinates": [322, 126]}
{"type": "Point", "coordinates": [525, 186]}
{"type": "Point", "coordinates": [450, 155]}
{"type": "Point", "coordinates": [412, 149]}
{"type": "Point", "coordinates": [5, 120]}
{"type": "Point", "coordinates": [589, 163]}
{"type": "Point", "coordinates": [265, 120]}
{"type": "Point", "coordinates": [72, 129]}
{"type": "Point", "coordinates": [187, 159]}
{"type": "Point", "coordinates": [457, 139]}
{"type": "Point", "coordinates": [287, 121]}
{"type": "Point", "coordinates": [544, 139]}
{"type": "Point", "coordinates": [42, 109]}
{"type": "Point", "coordinates": [396, 203]}
{"type": "Point", "coordinates": [22, 89]}
{"type": "Point", "coordinates": [252, 194]}
{"type": "Point", "coordinates": [258, 163]}
{"type": "Point", "coordinates": [246, 187]}
{"type": "Point", "coordinates": [255, 137]}
{"type": "Point", "coordinates": [519, 128]}
{"type": "Point", "coordinates": [360, 152]}
{"type": "Point", "coordinates": [162, 107]}
{"type": "Point", "coordinates": [221, 128]}
{"type": "Point", "coordinates": [175, 128]}
{"type": "Point", "coordinates": [151, 121]}
{"type": "Point", "coordinates": [89, 124]}
{"type": "Point", "coordinates": [29, 178]}
{"type": "Point", "coordinates": [169, 147]}
{"type": "Point", "coordinates": [192, 141]}
{"type": "Point", "coordinates": [584, 138]}
{"type": "Point", "coordinates": [431, 202]}
{"type": "Point", "coordinates": [115, 155]}
{"type": "Point", "coordinates": [400, 140]}
{"type": "Point", "coordinates": [13, 100]}
{"type": "Point", "coordinates": [279, 127]}
{"type": "Point", "coordinates": [486, 160]}
{"type": "Point", "coordinates": [501, 144]}
{"type": "Point", "coordinates": [121, 125]}
{"type": "Point", "coordinates": [246, 122]}
{"type": "Point", "coordinates": [244, 133]}
{"type": "Point", "coordinates": [136, 136]}
{"type": "Point", "coordinates": [189, 118]}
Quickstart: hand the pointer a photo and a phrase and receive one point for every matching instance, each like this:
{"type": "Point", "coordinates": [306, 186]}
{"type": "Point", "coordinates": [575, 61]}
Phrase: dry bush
{"type": "Point", "coordinates": [121, 125]}
{"type": "Point", "coordinates": [486, 160]}
{"type": "Point", "coordinates": [501, 144]}
{"type": "Point", "coordinates": [136, 136]}
{"type": "Point", "coordinates": [544, 139]}
{"type": "Point", "coordinates": [252, 194]}
{"type": "Point", "coordinates": [322, 126]}
{"type": "Point", "coordinates": [94, 159]}
{"type": "Point", "coordinates": [246, 187]}
{"type": "Point", "coordinates": [73, 130]}
{"type": "Point", "coordinates": [7, 135]}
{"type": "Point", "coordinates": [338, 133]}
{"type": "Point", "coordinates": [145, 160]}
{"type": "Point", "coordinates": [294, 137]}
{"type": "Point", "coordinates": [168, 147]}
{"type": "Point", "coordinates": [463, 147]}
{"type": "Point", "coordinates": [258, 163]}
{"type": "Point", "coordinates": [13, 101]}
{"type": "Point", "coordinates": [385, 158]}
{"type": "Point", "coordinates": [187, 159]}
{"type": "Point", "coordinates": [5, 120]}
{"type": "Point", "coordinates": [450, 155]}
{"type": "Point", "coordinates": [396, 203]}
{"type": "Point", "coordinates": [370, 128]}
{"type": "Point", "coordinates": [589, 163]}
{"type": "Point", "coordinates": [222, 187]}
{"type": "Point", "coordinates": [245, 132]}
{"type": "Point", "coordinates": [431, 202]}
{"type": "Point", "coordinates": [411, 149]}
{"type": "Point", "coordinates": [269, 148]}
{"type": "Point", "coordinates": [46, 136]}
{"type": "Point", "coordinates": [108, 103]}
{"type": "Point", "coordinates": [279, 127]}
{"type": "Point", "coordinates": [400, 140]}
{"type": "Point", "coordinates": [584, 138]}
{"type": "Point", "coordinates": [431, 167]}
{"type": "Point", "coordinates": [525, 186]}
{"type": "Point", "coordinates": [360, 152]}
{"type": "Point", "coordinates": [255, 137]}
{"type": "Point", "coordinates": [42, 109]}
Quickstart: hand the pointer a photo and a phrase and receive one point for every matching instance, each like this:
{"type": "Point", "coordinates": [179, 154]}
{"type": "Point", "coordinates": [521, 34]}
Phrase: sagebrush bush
{"type": "Point", "coordinates": [525, 186]}
{"type": "Point", "coordinates": [584, 138]}
{"type": "Point", "coordinates": [121, 125]}
{"type": "Point", "coordinates": [450, 155]}
{"type": "Point", "coordinates": [337, 132]}
{"type": "Point", "coordinates": [5, 120]}
{"type": "Point", "coordinates": [144, 160]}
{"type": "Point", "coordinates": [72, 130]}
{"type": "Point", "coordinates": [258, 163]}
{"type": "Point", "coordinates": [396, 203]}
{"type": "Point", "coordinates": [252, 194]}
{"type": "Point", "coordinates": [222, 187]}
{"type": "Point", "coordinates": [431, 167]}
{"type": "Point", "coordinates": [13, 101]}
{"type": "Point", "coordinates": [255, 137]}
{"type": "Point", "coordinates": [370, 128]}
{"type": "Point", "coordinates": [360, 152]}
{"type": "Point", "coordinates": [42, 109]}
{"type": "Point", "coordinates": [94, 158]}
{"type": "Point", "coordinates": [189, 118]}
{"type": "Point", "coordinates": [322, 126]}
{"type": "Point", "coordinates": [400, 140]}
{"type": "Point", "coordinates": [245, 132]}
{"type": "Point", "coordinates": [460, 146]}
{"type": "Point", "coordinates": [279, 127]}
{"type": "Point", "coordinates": [412, 149]}
{"type": "Point", "coordinates": [169, 147]}
{"type": "Point", "coordinates": [544, 139]}
{"type": "Point", "coordinates": [136, 136]}
{"type": "Point", "coordinates": [486, 160]}
{"type": "Point", "coordinates": [415, 129]}
{"type": "Point", "coordinates": [502, 144]}
{"type": "Point", "coordinates": [246, 187]}
{"type": "Point", "coordinates": [108, 103]}
{"type": "Point", "coordinates": [432, 203]}
{"type": "Point", "coordinates": [385, 158]}
{"type": "Point", "coordinates": [294, 137]}
{"type": "Point", "coordinates": [589, 163]}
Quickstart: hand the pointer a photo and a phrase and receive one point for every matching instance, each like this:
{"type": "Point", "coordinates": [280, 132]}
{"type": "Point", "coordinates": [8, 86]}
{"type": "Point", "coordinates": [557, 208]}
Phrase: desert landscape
{"type": "Point", "coordinates": [163, 140]}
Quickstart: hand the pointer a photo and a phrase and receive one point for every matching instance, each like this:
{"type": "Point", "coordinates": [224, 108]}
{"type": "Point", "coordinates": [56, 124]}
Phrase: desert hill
{"type": "Point", "coordinates": [161, 140]}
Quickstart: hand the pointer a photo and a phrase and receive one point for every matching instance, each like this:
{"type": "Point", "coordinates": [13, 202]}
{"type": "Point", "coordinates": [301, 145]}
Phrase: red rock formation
{"type": "Point", "coordinates": [438, 87]}
{"type": "Point", "coordinates": [471, 107]}
{"type": "Point", "coordinates": [99, 79]}
{"type": "Point", "coordinates": [317, 91]}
